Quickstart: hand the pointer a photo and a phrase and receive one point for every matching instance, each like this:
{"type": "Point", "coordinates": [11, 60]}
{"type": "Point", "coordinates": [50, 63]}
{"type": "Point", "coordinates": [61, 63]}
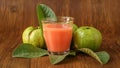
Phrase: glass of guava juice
{"type": "Point", "coordinates": [58, 34]}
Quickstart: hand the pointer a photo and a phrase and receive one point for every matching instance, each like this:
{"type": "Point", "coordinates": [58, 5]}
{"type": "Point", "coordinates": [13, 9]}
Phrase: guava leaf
{"type": "Point", "coordinates": [72, 53]}
{"type": "Point", "coordinates": [44, 11]}
{"type": "Point", "coordinates": [54, 59]}
{"type": "Point", "coordinates": [103, 57]}
{"type": "Point", "coordinates": [28, 51]}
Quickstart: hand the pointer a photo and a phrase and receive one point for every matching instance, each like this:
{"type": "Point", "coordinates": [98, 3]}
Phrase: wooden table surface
{"type": "Point", "coordinates": [16, 15]}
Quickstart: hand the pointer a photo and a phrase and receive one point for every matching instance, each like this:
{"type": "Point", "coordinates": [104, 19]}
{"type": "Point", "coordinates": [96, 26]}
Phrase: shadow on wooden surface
{"type": "Point", "coordinates": [16, 15]}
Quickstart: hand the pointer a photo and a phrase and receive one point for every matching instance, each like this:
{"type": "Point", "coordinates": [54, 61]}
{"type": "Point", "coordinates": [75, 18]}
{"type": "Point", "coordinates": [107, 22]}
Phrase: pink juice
{"type": "Point", "coordinates": [57, 36]}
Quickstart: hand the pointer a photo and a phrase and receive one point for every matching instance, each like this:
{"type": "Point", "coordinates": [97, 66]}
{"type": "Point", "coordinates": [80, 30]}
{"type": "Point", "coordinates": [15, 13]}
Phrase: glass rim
{"type": "Point", "coordinates": [66, 17]}
{"type": "Point", "coordinates": [59, 17]}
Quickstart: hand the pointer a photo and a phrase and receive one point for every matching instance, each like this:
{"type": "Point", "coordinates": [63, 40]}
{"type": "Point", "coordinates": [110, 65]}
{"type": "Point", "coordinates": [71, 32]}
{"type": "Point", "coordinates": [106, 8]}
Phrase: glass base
{"type": "Point", "coordinates": [58, 53]}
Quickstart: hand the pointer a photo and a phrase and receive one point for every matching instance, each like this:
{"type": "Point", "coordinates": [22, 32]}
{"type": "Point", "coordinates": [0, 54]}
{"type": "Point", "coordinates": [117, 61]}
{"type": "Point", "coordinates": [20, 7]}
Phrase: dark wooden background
{"type": "Point", "coordinates": [16, 15]}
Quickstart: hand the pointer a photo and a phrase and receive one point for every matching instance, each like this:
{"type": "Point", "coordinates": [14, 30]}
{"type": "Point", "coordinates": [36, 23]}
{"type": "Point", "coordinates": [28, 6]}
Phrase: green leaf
{"type": "Point", "coordinates": [54, 59]}
{"type": "Point", "coordinates": [103, 57]}
{"type": "Point", "coordinates": [28, 51]}
{"type": "Point", "coordinates": [72, 53]}
{"type": "Point", "coordinates": [44, 11]}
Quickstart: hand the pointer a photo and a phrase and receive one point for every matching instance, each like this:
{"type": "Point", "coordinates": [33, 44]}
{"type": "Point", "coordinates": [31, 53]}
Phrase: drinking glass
{"type": "Point", "coordinates": [58, 34]}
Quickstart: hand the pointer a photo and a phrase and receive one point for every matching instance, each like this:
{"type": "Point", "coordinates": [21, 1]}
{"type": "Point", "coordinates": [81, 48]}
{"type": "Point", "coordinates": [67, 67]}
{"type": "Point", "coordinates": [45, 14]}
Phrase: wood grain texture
{"type": "Point", "coordinates": [16, 15]}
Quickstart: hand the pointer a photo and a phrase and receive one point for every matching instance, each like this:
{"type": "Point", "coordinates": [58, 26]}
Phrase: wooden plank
{"type": "Point", "coordinates": [16, 15]}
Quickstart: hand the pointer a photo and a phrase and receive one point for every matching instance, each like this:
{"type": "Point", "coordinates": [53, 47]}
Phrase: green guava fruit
{"type": "Point", "coordinates": [33, 36]}
{"type": "Point", "coordinates": [87, 37]}
{"type": "Point", "coordinates": [75, 27]}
